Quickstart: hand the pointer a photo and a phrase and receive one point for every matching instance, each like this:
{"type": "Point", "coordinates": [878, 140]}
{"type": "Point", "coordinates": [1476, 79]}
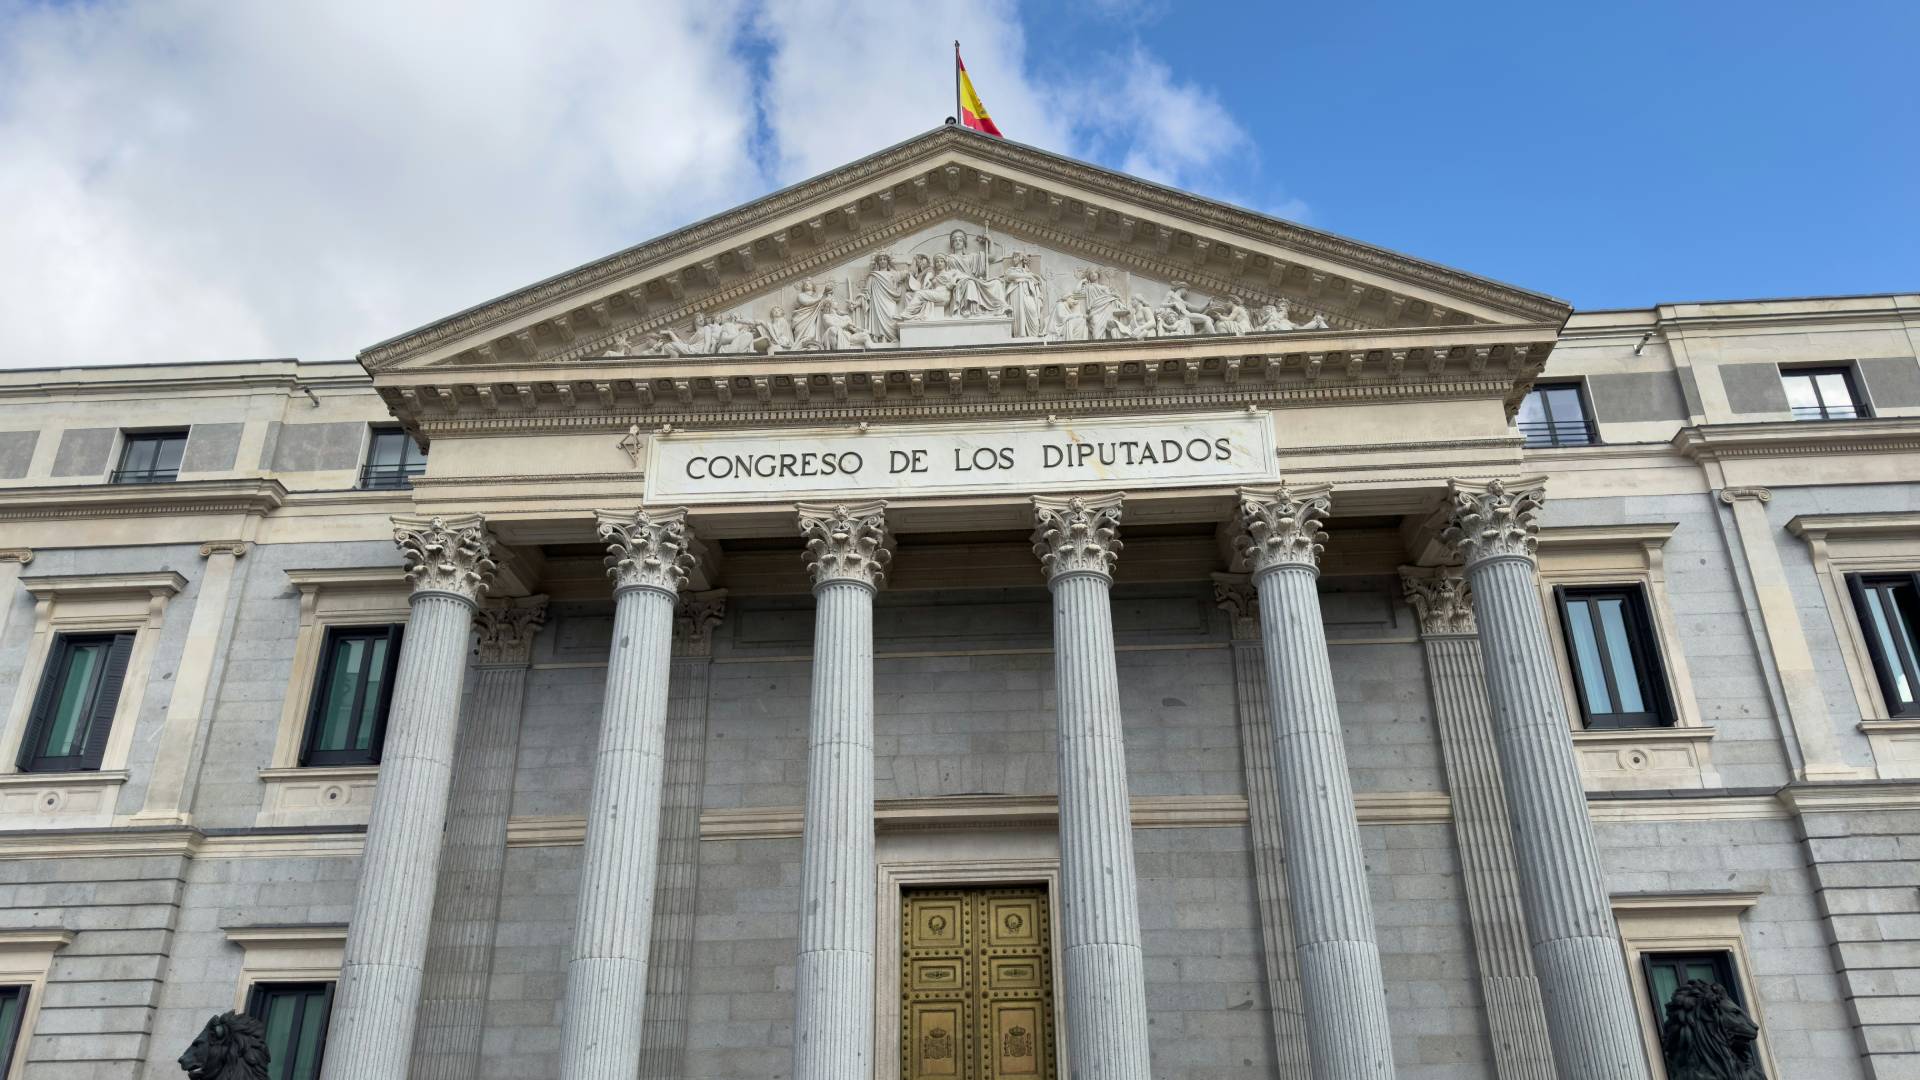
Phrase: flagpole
{"type": "Point", "coordinates": [958, 117]}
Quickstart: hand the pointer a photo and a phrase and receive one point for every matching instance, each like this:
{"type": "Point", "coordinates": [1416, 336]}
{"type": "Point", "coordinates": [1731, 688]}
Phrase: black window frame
{"type": "Point", "coordinates": [391, 477]}
{"type": "Point", "coordinates": [1558, 432]}
{"type": "Point", "coordinates": [103, 700]}
{"type": "Point", "coordinates": [1883, 665]}
{"type": "Point", "coordinates": [1856, 407]}
{"type": "Point", "coordinates": [310, 755]}
{"type": "Point", "coordinates": [22, 995]}
{"type": "Point", "coordinates": [132, 441]}
{"type": "Point", "coordinates": [257, 1001]}
{"type": "Point", "coordinates": [1643, 644]}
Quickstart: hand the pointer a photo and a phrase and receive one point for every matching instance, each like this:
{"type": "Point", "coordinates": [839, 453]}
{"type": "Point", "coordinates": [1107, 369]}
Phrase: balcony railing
{"type": "Point", "coordinates": [144, 476]}
{"type": "Point", "coordinates": [389, 477]}
{"type": "Point", "coordinates": [1827, 412]}
{"type": "Point", "coordinates": [1540, 433]}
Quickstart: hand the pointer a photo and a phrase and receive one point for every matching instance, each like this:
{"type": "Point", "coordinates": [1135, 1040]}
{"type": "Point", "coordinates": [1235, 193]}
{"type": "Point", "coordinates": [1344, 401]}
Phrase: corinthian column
{"type": "Point", "coordinates": [466, 902]}
{"type": "Point", "coordinates": [1576, 954]}
{"type": "Point", "coordinates": [648, 556]}
{"type": "Point", "coordinates": [1341, 989]}
{"type": "Point", "coordinates": [1078, 542]}
{"type": "Point", "coordinates": [847, 554]}
{"type": "Point", "coordinates": [371, 1033]}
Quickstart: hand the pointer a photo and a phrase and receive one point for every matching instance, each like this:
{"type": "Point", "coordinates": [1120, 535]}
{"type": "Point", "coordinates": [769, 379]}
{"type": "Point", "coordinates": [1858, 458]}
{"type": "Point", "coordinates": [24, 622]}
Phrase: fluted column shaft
{"type": "Point", "coordinates": [473, 859]}
{"type": "Point", "coordinates": [1570, 926]}
{"type": "Point", "coordinates": [1341, 989]}
{"type": "Point", "coordinates": [1516, 1018]}
{"type": "Point", "coordinates": [833, 978]}
{"type": "Point", "coordinates": [376, 1007]}
{"type": "Point", "coordinates": [601, 1030]}
{"type": "Point", "coordinates": [1099, 906]}
{"type": "Point", "coordinates": [1264, 831]}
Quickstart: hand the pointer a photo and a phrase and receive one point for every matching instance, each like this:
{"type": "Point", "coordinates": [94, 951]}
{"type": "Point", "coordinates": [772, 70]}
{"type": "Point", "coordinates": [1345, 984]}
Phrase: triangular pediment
{"type": "Point", "coordinates": [1051, 249]}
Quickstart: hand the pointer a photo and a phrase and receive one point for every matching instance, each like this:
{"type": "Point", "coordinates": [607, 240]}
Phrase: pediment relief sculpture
{"type": "Point", "coordinates": [981, 288]}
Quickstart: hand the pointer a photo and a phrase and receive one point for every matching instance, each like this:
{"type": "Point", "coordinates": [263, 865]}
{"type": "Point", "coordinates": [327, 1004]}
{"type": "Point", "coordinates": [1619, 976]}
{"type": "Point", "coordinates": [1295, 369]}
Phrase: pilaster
{"type": "Point", "coordinates": [848, 550]}
{"type": "Point", "coordinates": [1570, 928]}
{"type": "Point", "coordinates": [1238, 598]}
{"type": "Point", "coordinates": [1516, 1017]}
{"type": "Point", "coordinates": [377, 1003]}
{"type": "Point", "coordinates": [12, 561]}
{"type": "Point", "coordinates": [1343, 995]}
{"type": "Point", "coordinates": [649, 554]}
{"type": "Point", "coordinates": [676, 889]}
{"type": "Point", "coordinates": [178, 752]}
{"type": "Point", "coordinates": [466, 905]}
{"type": "Point", "coordinates": [1077, 542]}
{"type": "Point", "coordinates": [1808, 727]}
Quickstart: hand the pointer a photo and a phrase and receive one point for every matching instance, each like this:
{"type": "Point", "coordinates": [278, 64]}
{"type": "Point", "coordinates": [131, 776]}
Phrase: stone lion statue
{"type": "Point", "coordinates": [233, 1046]}
{"type": "Point", "coordinates": [1707, 1036]}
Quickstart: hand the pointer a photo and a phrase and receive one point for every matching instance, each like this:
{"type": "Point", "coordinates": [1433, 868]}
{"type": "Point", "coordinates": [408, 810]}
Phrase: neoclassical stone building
{"type": "Point", "coordinates": [976, 615]}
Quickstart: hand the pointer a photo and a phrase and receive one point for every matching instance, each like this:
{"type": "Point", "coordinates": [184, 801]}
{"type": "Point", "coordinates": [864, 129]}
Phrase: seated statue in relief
{"type": "Point", "coordinates": [1318, 322]}
{"type": "Point", "coordinates": [778, 331]}
{"type": "Point", "coordinates": [839, 329]}
{"type": "Point", "coordinates": [1069, 321]}
{"type": "Point", "coordinates": [1233, 317]}
{"type": "Point", "coordinates": [1176, 301]}
{"type": "Point", "coordinates": [930, 288]}
{"type": "Point", "coordinates": [979, 294]}
{"type": "Point", "coordinates": [1141, 321]}
{"type": "Point", "coordinates": [1174, 324]}
{"type": "Point", "coordinates": [1274, 317]}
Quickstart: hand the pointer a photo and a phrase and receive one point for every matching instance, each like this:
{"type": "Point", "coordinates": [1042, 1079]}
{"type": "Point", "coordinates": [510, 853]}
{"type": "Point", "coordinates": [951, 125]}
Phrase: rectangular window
{"type": "Point", "coordinates": [348, 718]}
{"type": "Point", "coordinates": [13, 1011]}
{"type": "Point", "coordinates": [1889, 610]}
{"type": "Point", "coordinates": [73, 712]}
{"type": "Point", "coordinates": [1555, 414]}
{"type": "Point", "coordinates": [151, 457]}
{"type": "Point", "coordinates": [1616, 667]}
{"type": "Point", "coordinates": [1822, 393]}
{"type": "Point", "coordinates": [393, 460]}
{"type": "Point", "coordinates": [295, 1015]}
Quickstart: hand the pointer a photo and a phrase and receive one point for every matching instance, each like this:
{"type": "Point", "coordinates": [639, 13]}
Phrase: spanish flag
{"type": "Point", "coordinates": [972, 113]}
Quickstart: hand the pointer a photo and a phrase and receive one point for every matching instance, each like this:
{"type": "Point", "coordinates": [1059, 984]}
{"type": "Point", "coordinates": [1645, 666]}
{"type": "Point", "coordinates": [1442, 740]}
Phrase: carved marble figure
{"type": "Point", "coordinates": [1026, 295]}
{"type": "Point", "coordinates": [1176, 301]}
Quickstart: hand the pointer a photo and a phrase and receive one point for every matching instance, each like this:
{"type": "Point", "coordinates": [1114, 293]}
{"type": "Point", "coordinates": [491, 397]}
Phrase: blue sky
{"type": "Point", "coordinates": [1614, 155]}
{"type": "Point", "coordinates": [192, 179]}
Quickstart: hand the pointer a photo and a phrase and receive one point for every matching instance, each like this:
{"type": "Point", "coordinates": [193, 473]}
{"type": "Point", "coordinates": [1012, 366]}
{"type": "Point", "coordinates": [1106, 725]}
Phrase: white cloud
{"type": "Point", "coordinates": [187, 179]}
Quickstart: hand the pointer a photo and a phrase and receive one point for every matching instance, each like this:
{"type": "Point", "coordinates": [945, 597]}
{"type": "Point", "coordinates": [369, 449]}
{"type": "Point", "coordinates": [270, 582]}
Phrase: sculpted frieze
{"type": "Point", "coordinates": [956, 273]}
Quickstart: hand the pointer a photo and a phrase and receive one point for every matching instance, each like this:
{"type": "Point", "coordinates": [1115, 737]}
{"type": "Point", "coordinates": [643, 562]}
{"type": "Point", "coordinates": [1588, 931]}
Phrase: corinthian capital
{"type": "Point", "coordinates": [506, 630]}
{"type": "Point", "coordinates": [1440, 597]}
{"type": "Point", "coordinates": [446, 555]}
{"type": "Point", "coordinates": [846, 543]}
{"type": "Point", "coordinates": [648, 549]}
{"type": "Point", "coordinates": [1077, 535]}
{"type": "Point", "coordinates": [1496, 519]}
{"type": "Point", "coordinates": [1282, 528]}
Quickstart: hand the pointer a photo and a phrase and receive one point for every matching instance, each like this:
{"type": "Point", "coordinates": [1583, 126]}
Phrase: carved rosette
{"type": "Point", "coordinates": [1282, 528]}
{"type": "Point", "coordinates": [846, 543]}
{"type": "Point", "coordinates": [506, 630]}
{"type": "Point", "coordinates": [1497, 520]}
{"type": "Point", "coordinates": [443, 555]}
{"type": "Point", "coordinates": [694, 620]}
{"type": "Point", "coordinates": [649, 549]}
{"type": "Point", "coordinates": [1076, 535]}
{"type": "Point", "coordinates": [1441, 598]}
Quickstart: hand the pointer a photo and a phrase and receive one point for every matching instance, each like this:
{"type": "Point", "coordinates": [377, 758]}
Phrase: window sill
{"type": "Point", "coordinates": [59, 800]}
{"type": "Point", "coordinates": [1635, 759]}
{"type": "Point", "coordinates": [1896, 747]}
{"type": "Point", "coordinates": [322, 795]}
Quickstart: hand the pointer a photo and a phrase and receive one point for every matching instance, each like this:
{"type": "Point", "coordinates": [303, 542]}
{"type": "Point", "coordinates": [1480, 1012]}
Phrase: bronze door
{"type": "Point", "coordinates": [976, 984]}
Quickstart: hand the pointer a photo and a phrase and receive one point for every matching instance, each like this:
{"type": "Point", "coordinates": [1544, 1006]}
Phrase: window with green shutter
{"type": "Point", "coordinates": [347, 721]}
{"type": "Point", "coordinates": [295, 1015]}
{"type": "Point", "coordinates": [73, 711]}
{"type": "Point", "coordinates": [13, 1011]}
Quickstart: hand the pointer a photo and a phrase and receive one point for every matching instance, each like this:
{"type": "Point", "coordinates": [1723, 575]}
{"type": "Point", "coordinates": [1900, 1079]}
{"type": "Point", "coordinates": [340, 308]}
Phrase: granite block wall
{"type": "Point", "coordinates": [1865, 870]}
{"type": "Point", "coordinates": [104, 989]}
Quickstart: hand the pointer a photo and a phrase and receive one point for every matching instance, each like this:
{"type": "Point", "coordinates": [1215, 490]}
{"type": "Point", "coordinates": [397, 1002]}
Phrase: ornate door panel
{"type": "Point", "coordinates": [976, 995]}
